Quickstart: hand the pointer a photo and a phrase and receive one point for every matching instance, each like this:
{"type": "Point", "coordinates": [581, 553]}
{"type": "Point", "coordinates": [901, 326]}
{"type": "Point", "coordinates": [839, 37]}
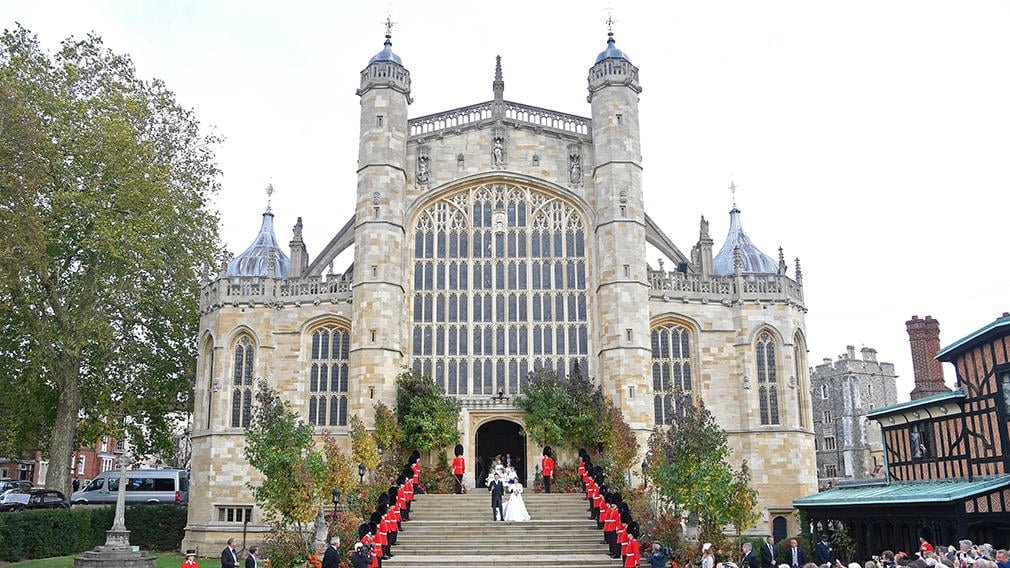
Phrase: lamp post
{"type": "Point", "coordinates": [379, 449]}
{"type": "Point", "coordinates": [645, 468]}
{"type": "Point", "coordinates": [361, 473]}
{"type": "Point", "coordinates": [336, 502]}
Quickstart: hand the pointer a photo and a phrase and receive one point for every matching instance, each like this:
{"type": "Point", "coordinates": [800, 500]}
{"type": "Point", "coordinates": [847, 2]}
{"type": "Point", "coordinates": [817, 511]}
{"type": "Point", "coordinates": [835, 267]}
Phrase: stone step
{"type": "Point", "coordinates": [456, 530]}
{"type": "Point", "coordinates": [469, 560]}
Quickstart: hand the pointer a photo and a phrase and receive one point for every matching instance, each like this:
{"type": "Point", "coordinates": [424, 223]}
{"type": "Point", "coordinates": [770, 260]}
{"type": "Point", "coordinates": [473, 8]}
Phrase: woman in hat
{"type": "Point", "coordinates": [190, 561]}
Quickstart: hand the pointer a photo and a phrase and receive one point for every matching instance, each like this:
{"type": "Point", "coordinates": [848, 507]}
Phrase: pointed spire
{"type": "Point", "coordinates": [732, 191]}
{"type": "Point", "coordinates": [270, 194]}
{"type": "Point", "coordinates": [782, 262]}
{"type": "Point", "coordinates": [799, 273]}
{"type": "Point", "coordinates": [499, 84]}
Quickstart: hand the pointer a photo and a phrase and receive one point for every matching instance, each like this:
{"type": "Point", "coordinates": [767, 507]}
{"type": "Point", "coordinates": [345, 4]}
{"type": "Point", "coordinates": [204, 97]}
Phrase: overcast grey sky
{"type": "Point", "coordinates": [868, 138]}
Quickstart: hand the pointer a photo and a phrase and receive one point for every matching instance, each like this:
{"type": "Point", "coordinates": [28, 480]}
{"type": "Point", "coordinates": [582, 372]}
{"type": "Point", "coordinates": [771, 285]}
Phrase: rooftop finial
{"type": "Point", "coordinates": [610, 21]}
{"type": "Point", "coordinates": [270, 193]}
{"type": "Point", "coordinates": [732, 189]}
{"type": "Point", "coordinates": [498, 87]}
{"type": "Point", "coordinates": [389, 23]}
{"type": "Point", "coordinates": [497, 68]}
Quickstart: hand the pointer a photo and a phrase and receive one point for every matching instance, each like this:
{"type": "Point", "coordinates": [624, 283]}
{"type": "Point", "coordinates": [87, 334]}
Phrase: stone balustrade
{"type": "Point", "coordinates": [513, 113]}
{"type": "Point", "coordinates": [274, 291]}
{"type": "Point", "coordinates": [678, 286]}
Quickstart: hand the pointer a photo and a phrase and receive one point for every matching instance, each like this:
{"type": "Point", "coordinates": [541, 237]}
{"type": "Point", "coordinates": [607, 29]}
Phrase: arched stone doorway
{"type": "Point", "coordinates": [499, 437]}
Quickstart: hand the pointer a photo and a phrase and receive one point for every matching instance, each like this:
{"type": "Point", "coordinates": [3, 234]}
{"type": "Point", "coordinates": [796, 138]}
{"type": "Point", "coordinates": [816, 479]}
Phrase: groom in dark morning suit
{"type": "Point", "coordinates": [497, 490]}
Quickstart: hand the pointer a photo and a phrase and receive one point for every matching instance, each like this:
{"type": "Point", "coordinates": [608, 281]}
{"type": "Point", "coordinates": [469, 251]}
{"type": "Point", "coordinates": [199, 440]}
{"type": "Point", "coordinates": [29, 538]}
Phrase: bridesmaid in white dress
{"type": "Point", "coordinates": [515, 509]}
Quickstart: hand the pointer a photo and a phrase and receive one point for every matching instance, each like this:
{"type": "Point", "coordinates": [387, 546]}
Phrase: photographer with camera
{"type": "Point", "coordinates": [660, 555]}
{"type": "Point", "coordinates": [361, 557]}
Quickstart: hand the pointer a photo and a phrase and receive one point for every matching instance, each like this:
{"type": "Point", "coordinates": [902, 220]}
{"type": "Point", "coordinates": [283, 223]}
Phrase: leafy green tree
{"type": "Point", "coordinates": [572, 411]}
{"type": "Point", "coordinates": [388, 433]}
{"type": "Point", "coordinates": [296, 476]}
{"type": "Point", "coordinates": [743, 500]}
{"type": "Point", "coordinates": [690, 469]}
{"type": "Point", "coordinates": [429, 419]}
{"type": "Point", "coordinates": [363, 448]}
{"type": "Point", "coordinates": [104, 184]}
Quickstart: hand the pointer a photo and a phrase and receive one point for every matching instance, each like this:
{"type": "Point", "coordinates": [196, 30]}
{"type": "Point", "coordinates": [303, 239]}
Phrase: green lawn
{"type": "Point", "coordinates": [165, 560]}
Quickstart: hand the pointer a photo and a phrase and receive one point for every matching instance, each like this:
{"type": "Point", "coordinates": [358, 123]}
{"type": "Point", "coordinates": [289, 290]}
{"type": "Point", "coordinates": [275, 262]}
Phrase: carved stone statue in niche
{"type": "Point", "coordinates": [574, 165]}
{"type": "Point", "coordinates": [498, 153]}
{"type": "Point", "coordinates": [423, 174]}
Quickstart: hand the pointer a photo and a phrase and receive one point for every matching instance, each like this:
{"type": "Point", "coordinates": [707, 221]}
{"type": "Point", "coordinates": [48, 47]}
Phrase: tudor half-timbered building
{"type": "Point", "coordinates": [946, 460]}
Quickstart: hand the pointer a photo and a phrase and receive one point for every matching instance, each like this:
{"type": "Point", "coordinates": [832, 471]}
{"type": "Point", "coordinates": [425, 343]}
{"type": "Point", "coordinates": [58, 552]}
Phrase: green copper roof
{"type": "Point", "coordinates": [954, 349]}
{"type": "Point", "coordinates": [921, 403]}
{"type": "Point", "coordinates": [933, 491]}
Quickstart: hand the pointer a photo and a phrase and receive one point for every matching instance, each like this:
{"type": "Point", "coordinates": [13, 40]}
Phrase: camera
{"type": "Point", "coordinates": [875, 558]}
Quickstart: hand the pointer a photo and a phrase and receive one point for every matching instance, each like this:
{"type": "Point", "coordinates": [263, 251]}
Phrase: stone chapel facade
{"type": "Point", "coordinates": [490, 241]}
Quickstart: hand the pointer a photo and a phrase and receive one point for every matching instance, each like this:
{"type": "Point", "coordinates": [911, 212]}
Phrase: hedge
{"type": "Point", "coordinates": [60, 532]}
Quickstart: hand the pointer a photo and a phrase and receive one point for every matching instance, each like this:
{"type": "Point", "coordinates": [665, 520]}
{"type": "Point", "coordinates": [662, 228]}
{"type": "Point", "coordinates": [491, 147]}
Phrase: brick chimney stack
{"type": "Point", "coordinates": [924, 337]}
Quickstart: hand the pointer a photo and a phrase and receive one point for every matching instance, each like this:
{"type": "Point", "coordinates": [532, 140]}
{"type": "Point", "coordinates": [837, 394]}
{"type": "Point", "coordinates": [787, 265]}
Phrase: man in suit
{"type": "Point", "coordinates": [250, 561]}
{"type": "Point", "coordinates": [332, 558]}
{"type": "Point", "coordinates": [824, 553]}
{"type": "Point", "coordinates": [795, 555]}
{"type": "Point", "coordinates": [497, 490]}
{"type": "Point", "coordinates": [748, 560]}
{"type": "Point", "coordinates": [768, 554]}
{"type": "Point", "coordinates": [229, 557]}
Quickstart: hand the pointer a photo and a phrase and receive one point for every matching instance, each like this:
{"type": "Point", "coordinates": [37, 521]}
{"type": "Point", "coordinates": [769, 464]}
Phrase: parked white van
{"type": "Point", "coordinates": [151, 486]}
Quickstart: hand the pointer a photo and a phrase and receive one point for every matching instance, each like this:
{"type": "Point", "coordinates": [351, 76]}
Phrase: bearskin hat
{"type": "Point", "coordinates": [383, 499]}
{"type": "Point", "coordinates": [363, 529]}
{"type": "Point", "coordinates": [381, 509]}
{"type": "Point", "coordinates": [547, 451]}
{"type": "Point", "coordinates": [633, 528]}
{"type": "Point", "coordinates": [459, 450]}
{"type": "Point", "coordinates": [375, 518]}
{"type": "Point", "coordinates": [401, 479]}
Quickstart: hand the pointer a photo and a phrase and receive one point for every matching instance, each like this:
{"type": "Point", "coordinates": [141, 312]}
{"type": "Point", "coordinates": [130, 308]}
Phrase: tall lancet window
{"type": "Point", "coordinates": [671, 369]}
{"type": "Point", "coordinates": [328, 377]}
{"type": "Point", "coordinates": [242, 383]}
{"type": "Point", "coordinates": [499, 289]}
{"type": "Point", "coordinates": [768, 383]}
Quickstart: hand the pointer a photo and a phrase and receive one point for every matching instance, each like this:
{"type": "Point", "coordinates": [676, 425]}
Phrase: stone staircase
{"type": "Point", "coordinates": [456, 530]}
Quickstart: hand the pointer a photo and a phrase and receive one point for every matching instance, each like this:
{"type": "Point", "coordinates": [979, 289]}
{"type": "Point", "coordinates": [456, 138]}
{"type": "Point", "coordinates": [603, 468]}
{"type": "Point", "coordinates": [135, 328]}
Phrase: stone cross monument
{"type": "Point", "coordinates": [117, 551]}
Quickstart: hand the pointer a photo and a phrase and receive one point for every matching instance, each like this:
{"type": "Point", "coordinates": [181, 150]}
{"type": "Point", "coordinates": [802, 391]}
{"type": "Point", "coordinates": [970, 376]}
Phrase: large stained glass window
{"type": "Point", "coordinates": [768, 383]}
{"type": "Point", "coordinates": [328, 376]}
{"type": "Point", "coordinates": [671, 369]}
{"type": "Point", "coordinates": [499, 289]}
{"type": "Point", "coordinates": [242, 383]}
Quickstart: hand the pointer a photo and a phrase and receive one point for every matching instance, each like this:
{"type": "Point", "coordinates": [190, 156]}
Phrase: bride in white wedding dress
{"type": "Point", "coordinates": [515, 508]}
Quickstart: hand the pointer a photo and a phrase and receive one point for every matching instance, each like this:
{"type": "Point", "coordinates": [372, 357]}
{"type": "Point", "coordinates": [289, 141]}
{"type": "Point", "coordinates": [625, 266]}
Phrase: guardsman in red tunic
{"type": "Point", "coordinates": [458, 468]}
{"type": "Point", "coordinates": [600, 504]}
{"type": "Point", "coordinates": [415, 466]}
{"type": "Point", "coordinates": [190, 561]}
{"type": "Point", "coordinates": [632, 556]}
{"type": "Point", "coordinates": [611, 518]}
{"type": "Point", "coordinates": [547, 467]}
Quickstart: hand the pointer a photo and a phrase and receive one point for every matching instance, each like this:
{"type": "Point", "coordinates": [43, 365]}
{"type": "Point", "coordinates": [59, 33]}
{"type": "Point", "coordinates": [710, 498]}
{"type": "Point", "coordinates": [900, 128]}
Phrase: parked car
{"type": "Point", "coordinates": [151, 486]}
{"type": "Point", "coordinates": [34, 498]}
{"type": "Point", "coordinates": [8, 484]}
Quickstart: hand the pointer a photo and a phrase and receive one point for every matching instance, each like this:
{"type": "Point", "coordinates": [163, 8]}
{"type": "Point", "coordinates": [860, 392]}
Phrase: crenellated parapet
{"type": "Point", "coordinates": [754, 288]}
{"type": "Point", "coordinates": [277, 292]}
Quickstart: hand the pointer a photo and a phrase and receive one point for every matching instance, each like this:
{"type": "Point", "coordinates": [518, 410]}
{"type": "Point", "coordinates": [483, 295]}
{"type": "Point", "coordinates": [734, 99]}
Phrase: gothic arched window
{"type": "Point", "coordinates": [671, 369]}
{"type": "Point", "coordinates": [499, 289]}
{"type": "Point", "coordinates": [328, 374]}
{"type": "Point", "coordinates": [768, 382]}
{"type": "Point", "coordinates": [242, 383]}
